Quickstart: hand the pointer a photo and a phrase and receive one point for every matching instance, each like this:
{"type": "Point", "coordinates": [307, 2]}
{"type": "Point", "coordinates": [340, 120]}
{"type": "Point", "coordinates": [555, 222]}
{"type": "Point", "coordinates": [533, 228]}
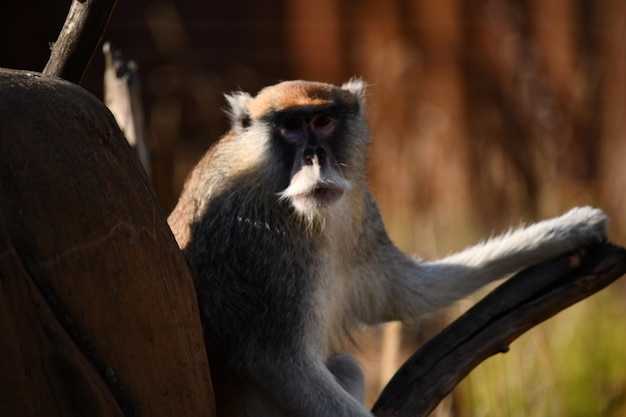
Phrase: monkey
{"type": "Point", "coordinates": [289, 254]}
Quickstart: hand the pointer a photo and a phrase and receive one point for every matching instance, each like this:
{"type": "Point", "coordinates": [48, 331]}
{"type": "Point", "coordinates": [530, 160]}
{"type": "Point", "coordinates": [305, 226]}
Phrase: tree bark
{"type": "Point", "coordinates": [98, 313]}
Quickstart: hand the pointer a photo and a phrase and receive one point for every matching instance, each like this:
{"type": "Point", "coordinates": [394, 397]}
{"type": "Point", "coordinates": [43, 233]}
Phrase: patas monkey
{"type": "Point", "coordinates": [289, 253]}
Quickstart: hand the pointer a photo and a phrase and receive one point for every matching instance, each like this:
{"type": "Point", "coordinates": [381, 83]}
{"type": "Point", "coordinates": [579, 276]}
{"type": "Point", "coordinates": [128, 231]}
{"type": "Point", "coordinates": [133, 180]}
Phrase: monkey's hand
{"type": "Point", "coordinates": [519, 248]}
{"type": "Point", "coordinates": [580, 226]}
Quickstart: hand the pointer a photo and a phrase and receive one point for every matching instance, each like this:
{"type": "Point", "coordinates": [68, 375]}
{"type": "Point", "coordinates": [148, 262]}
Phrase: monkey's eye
{"type": "Point", "coordinates": [291, 129]}
{"type": "Point", "coordinates": [321, 121]}
{"type": "Point", "coordinates": [323, 126]}
{"type": "Point", "coordinates": [292, 124]}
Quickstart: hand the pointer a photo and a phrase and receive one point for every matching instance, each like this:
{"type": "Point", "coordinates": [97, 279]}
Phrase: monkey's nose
{"type": "Point", "coordinates": [313, 154]}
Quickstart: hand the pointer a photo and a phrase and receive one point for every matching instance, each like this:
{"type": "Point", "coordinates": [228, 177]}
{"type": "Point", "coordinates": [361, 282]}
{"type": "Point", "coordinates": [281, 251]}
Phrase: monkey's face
{"type": "Point", "coordinates": [316, 180]}
{"type": "Point", "coordinates": [319, 134]}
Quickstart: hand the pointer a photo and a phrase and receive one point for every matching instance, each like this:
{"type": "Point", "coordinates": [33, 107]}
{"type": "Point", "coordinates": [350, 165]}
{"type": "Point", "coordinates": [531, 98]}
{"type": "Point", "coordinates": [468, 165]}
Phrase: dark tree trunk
{"type": "Point", "coordinates": [98, 314]}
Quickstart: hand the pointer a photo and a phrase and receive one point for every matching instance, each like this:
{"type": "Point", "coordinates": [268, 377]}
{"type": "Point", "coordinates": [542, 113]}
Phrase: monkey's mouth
{"type": "Point", "coordinates": [327, 194]}
{"type": "Point", "coordinates": [321, 195]}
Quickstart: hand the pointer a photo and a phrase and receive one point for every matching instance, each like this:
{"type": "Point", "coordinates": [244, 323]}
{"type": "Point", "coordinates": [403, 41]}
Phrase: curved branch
{"type": "Point", "coordinates": [519, 304]}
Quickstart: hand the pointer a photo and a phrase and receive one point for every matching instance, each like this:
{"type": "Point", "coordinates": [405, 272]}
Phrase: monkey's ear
{"type": "Point", "coordinates": [238, 110]}
{"type": "Point", "coordinates": [357, 87]}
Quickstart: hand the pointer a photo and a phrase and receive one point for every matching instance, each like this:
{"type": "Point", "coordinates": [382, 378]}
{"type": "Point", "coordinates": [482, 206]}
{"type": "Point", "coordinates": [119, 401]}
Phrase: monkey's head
{"type": "Point", "coordinates": [314, 138]}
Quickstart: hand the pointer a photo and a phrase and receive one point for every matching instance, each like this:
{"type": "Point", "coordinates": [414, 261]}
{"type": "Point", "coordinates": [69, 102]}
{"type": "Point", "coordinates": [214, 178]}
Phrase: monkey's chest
{"type": "Point", "coordinates": [333, 305]}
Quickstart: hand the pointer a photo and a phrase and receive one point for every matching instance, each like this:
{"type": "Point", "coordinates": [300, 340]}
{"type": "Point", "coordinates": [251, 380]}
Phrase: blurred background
{"type": "Point", "coordinates": [484, 114]}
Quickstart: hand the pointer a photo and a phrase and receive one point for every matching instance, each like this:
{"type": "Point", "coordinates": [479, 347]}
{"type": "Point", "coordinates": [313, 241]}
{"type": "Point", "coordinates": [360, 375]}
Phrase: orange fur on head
{"type": "Point", "coordinates": [293, 94]}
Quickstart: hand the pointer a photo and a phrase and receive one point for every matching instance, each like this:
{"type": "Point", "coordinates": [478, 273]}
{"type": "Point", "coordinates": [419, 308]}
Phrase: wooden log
{"type": "Point", "coordinates": [98, 314]}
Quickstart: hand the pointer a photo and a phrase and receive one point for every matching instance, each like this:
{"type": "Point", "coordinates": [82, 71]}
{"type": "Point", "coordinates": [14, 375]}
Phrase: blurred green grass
{"type": "Point", "coordinates": [573, 365]}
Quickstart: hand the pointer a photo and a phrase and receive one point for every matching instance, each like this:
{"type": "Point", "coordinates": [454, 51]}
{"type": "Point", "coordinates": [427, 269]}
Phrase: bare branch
{"type": "Point", "coordinates": [81, 33]}
{"type": "Point", "coordinates": [522, 302]}
{"type": "Point", "coordinates": [122, 95]}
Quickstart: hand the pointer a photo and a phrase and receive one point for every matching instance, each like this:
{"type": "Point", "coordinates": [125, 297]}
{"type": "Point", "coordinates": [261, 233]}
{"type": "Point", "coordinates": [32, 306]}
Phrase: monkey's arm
{"type": "Point", "coordinates": [416, 288]}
